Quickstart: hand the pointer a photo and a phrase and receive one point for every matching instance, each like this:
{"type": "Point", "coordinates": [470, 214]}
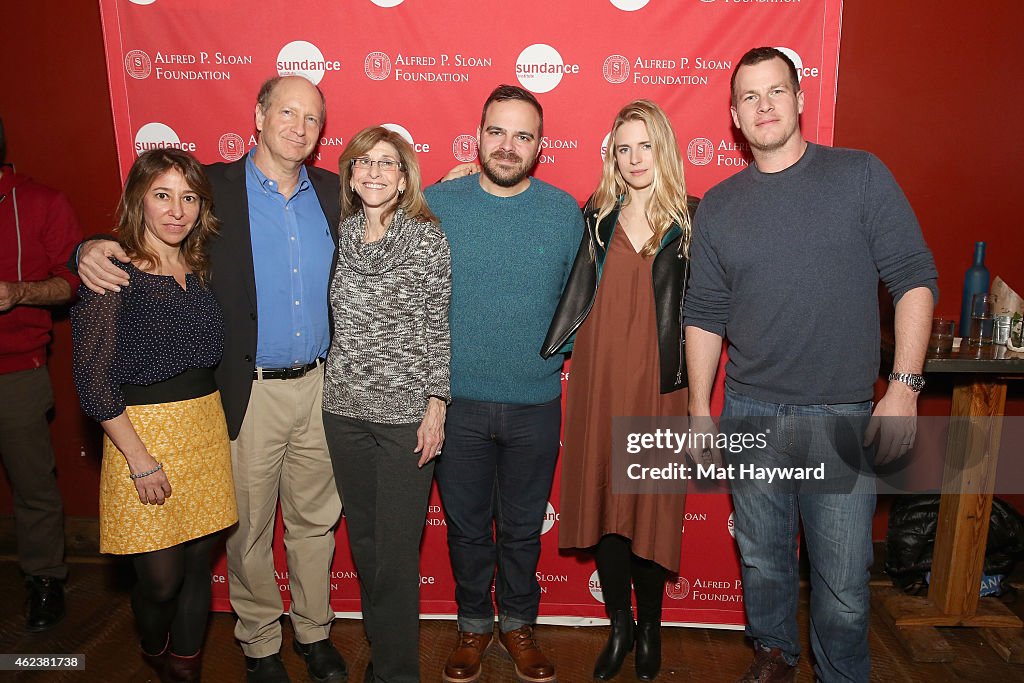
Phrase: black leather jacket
{"type": "Point", "coordinates": [669, 272]}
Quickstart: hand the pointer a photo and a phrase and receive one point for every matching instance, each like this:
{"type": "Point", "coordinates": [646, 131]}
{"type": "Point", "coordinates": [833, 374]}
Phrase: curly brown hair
{"type": "Point", "coordinates": [131, 223]}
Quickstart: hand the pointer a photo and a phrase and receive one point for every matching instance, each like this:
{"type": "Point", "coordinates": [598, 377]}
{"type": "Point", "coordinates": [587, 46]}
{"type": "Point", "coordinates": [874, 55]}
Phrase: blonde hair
{"type": "Point", "coordinates": [667, 203]}
{"type": "Point", "coordinates": [411, 201]}
{"type": "Point", "coordinates": [131, 223]}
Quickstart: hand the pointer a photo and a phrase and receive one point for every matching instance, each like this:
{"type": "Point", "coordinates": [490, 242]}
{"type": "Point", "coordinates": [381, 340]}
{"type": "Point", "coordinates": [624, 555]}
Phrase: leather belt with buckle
{"type": "Point", "coordinates": [286, 373]}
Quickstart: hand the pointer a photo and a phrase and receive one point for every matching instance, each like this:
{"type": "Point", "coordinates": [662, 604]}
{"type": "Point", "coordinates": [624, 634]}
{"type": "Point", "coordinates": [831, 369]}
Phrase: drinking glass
{"type": "Point", "coordinates": [941, 339]}
{"type": "Point", "coordinates": [983, 308]}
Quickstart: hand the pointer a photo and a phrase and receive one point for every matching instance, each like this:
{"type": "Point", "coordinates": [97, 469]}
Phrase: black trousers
{"type": "Point", "coordinates": [385, 499]}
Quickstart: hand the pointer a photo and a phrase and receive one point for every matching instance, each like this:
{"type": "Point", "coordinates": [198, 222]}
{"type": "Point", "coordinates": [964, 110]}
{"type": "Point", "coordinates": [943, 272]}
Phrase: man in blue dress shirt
{"type": "Point", "coordinates": [271, 263]}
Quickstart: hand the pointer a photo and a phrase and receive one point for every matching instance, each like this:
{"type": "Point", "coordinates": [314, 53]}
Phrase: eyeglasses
{"type": "Point", "coordinates": [385, 165]}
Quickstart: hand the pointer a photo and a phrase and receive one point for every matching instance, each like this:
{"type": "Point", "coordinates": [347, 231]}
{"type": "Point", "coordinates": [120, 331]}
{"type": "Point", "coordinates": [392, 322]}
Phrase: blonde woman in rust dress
{"type": "Point", "coordinates": [143, 366]}
{"type": "Point", "coordinates": [627, 361]}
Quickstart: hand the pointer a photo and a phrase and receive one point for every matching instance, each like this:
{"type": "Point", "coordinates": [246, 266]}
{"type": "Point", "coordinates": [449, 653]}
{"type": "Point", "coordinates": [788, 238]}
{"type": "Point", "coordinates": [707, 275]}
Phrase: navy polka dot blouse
{"type": "Point", "coordinates": [148, 332]}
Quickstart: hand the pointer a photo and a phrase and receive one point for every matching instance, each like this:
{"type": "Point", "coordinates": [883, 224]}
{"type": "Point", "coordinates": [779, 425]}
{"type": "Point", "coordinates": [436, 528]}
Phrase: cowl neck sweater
{"type": "Point", "coordinates": [397, 245]}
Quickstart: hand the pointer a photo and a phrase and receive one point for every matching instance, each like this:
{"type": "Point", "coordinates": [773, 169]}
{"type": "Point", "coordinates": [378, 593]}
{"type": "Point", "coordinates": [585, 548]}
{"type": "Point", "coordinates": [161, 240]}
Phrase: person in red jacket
{"type": "Point", "coordinates": [38, 230]}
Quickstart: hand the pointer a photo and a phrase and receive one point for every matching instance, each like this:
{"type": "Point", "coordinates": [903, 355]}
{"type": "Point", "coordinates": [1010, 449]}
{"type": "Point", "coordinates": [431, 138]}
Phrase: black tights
{"type": "Point", "coordinates": [172, 596]}
{"type": "Point", "coordinates": [616, 564]}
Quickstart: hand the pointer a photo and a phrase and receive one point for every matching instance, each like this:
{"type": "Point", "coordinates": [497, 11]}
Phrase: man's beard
{"type": "Point", "coordinates": [767, 146]}
{"type": "Point", "coordinates": [772, 145]}
{"type": "Point", "coordinates": [503, 177]}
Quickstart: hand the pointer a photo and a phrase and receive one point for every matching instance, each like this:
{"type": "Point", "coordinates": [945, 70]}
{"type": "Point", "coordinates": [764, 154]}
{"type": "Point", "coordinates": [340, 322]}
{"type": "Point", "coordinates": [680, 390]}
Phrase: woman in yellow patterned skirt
{"type": "Point", "coordinates": [143, 365]}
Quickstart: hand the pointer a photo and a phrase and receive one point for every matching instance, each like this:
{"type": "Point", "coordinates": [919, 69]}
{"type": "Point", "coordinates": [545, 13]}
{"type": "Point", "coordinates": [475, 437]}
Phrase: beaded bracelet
{"type": "Point", "coordinates": [141, 475]}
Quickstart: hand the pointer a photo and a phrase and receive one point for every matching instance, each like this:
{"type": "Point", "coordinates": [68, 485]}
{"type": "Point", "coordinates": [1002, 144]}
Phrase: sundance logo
{"type": "Point", "coordinates": [231, 147]}
{"type": "Point", "coordinates": [387, 3]}
{"type": "Point", "coordinates": [731, 524]}
{"type": "Point", "coordinates": [550, 517]}
{"type": "Point", "coordinates": [377, 66]}
{"type": "Point", "coordinates": [700, 151]}
{"type": "Point", "coordinates": [302, 58]}
{"type": "Point", "coordinates": [678, 590]}
{"type": "Point", "coordinates": [138, 64]}
{"type": "Point", "coordinates": [157, 135]}
{"type": "Point", "coordinates": [615, 69]}
{"type": "Point", "coordinates": [401, 130]}
{"type": "Point", "coordinates": [630, 5]}
{"type": "Point", "coordinates": [801, 70]}
{"type": "Point", "coordinates": [594, 584]}
{"type": "Point", "coordinates": [604, 144]}
{"type": "Point", "coordinates": [540, 68]}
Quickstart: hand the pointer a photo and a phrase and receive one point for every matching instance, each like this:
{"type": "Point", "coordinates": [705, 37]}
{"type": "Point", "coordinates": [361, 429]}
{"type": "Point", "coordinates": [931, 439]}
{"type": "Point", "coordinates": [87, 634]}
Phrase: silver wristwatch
{"type": "Point", "coordinates": [915, 382]}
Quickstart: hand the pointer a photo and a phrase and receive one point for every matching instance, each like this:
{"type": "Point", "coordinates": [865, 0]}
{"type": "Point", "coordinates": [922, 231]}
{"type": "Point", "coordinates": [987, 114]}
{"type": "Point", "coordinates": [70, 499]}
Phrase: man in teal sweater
{"type": "Point", "coordinates": [513, 239]}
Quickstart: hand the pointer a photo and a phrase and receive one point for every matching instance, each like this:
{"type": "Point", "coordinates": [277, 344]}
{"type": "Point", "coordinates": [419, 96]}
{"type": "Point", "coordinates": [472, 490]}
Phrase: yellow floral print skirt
{"type": "Point", "coordinates": [190, 439]}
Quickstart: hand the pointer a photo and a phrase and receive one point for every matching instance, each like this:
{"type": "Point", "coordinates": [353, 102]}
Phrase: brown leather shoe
{"type": "Point", "coordinates": [463, 664]}
{"type": "Point", "coordinates": [768, 667]}
{"type": "Point", "coordinates": [531, 664]}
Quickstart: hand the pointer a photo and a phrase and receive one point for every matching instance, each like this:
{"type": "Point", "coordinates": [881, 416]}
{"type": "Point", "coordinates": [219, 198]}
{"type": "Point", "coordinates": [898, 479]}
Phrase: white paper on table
{"type": "Point", "coordinates": [1008, 301]}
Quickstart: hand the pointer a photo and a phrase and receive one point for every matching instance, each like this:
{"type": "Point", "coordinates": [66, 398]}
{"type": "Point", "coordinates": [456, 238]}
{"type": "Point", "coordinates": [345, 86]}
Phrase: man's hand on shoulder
{"type": "Point", "coordinates": [96, 270]}
{"type": "Point", "coordinates": [893, 423]}
{"type": "Point", "coordinates": [461, 170]}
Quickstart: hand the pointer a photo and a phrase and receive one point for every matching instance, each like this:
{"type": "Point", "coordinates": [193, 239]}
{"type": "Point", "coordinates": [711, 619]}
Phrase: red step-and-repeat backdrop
{"type": "Point", "coordinates": [186, 72]}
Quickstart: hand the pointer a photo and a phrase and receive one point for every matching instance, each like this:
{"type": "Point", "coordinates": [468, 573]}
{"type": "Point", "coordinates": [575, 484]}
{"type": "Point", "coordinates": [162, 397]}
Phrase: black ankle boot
{"type": "Point", "coordinates": [620, 642]}
{"type": "Point", "coordinates": [648, 650]}
{"type": "Point", "coordinates": [157, 662]}
{"type": "Point", "coordinates": [45, 604]}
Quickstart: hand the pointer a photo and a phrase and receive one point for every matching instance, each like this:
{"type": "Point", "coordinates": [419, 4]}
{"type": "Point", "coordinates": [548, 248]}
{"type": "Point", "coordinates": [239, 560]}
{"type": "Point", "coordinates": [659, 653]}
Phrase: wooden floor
{"type": "Point", "coordinates": [99, 626]}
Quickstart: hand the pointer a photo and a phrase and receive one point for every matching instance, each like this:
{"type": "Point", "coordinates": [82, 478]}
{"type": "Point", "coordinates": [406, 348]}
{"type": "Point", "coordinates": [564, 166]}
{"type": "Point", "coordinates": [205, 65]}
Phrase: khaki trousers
{"type": "Point", "coordinates": [281, 454]}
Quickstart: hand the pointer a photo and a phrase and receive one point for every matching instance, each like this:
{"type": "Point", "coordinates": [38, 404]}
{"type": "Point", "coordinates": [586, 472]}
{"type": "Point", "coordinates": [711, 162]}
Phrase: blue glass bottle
{"type": "Point", "coordinates": [975, 282]}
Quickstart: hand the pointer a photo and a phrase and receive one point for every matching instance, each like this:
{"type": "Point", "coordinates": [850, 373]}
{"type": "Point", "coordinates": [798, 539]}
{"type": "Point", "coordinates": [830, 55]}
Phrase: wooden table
{"type": "Point", "coordinates": [979, 394]}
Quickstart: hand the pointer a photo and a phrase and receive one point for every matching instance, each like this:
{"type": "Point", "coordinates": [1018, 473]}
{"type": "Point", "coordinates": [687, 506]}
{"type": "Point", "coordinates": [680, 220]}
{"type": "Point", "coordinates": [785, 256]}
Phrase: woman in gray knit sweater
{"type": "Point", "coordinates": [387, 383]}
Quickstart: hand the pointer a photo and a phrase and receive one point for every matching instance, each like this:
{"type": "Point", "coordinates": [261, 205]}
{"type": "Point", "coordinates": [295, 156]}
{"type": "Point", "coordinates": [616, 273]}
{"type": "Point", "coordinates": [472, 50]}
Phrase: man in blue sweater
{"type": "Point", "coordinates": [786, 259]}
{"type": "Point", "coordinates": [513, 239]}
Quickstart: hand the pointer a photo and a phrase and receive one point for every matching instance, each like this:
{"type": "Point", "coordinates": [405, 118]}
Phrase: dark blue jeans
{"type": "Point", "coordinates": [494, 476]}
{"type": "Point", "coordinates": [836, 523]}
